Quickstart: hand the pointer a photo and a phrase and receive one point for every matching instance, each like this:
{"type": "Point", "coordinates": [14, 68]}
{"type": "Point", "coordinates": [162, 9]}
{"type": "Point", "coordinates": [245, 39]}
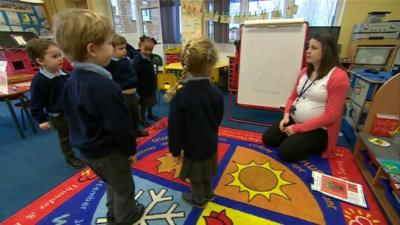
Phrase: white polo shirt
{"type": "Point", "coordinates": [312, 103]}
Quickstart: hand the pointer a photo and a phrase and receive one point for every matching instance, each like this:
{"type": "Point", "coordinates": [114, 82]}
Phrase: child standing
{"type": "Point", "coordinates": [195, 114]}
{"type": "Point", "coordinates": [147, 79]}
{"type": "Point", "coordinates": [122, 73]}
{"type": "Point", "coordinates": [98, 118]}
{"type": "Point", "coordinates": [46, 88]}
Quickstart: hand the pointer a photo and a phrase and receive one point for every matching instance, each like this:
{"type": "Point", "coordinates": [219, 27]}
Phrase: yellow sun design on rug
{"type": "Point", "coordinates": [356, 216]}
{"type": "Point", "coordinates": [247, 178]}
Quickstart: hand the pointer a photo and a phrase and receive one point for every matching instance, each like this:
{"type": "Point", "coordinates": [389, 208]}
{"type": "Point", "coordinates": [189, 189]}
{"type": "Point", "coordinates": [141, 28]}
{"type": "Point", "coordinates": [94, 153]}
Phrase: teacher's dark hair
{"type": "Point", "coordinates": [330, 55]}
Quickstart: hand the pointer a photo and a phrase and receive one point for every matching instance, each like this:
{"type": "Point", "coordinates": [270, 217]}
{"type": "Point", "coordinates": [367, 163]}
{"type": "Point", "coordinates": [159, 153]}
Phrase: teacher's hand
{"type": "Point", "coordinates": [283, 122]}
{"type": "Point", "coordinates": [289, 130]}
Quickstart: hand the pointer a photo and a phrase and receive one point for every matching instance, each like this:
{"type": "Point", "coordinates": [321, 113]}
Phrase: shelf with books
{"type": "Point", "coordinates": [369, 150]}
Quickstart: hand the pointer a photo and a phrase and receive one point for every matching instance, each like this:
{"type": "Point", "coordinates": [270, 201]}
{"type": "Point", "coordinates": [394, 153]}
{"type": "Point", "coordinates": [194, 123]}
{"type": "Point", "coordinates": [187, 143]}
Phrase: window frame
{"type": "Point", "coordinates": [245, 7]}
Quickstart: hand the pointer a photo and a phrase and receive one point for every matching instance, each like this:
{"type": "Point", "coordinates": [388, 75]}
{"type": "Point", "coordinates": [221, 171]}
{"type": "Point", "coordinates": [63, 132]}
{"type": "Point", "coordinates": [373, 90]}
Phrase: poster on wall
{"type": "Point", "coordinates": [2, 20]}
{"type": "Point", "coordinates": [23, 17]}
{"type": "Point", "coordinates": [16, 28]}
{"type": "Point", "coordinates": [15, 7]}
{"type": "Point", "coordinates": [40, 11]}
{"type": "Point", "coordinates": [5, 28]}
{"type": "Point", "coordinates": [13, 18]}
{"type": "Point", "coordinates": [191, 19]}
{"type": "Point", "coordinates": [34, 20]}
{"type": "Point", "coordinates": [26, 19]}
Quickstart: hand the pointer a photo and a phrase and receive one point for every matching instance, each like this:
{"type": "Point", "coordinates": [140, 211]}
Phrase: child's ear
{"type": "Point", "coordinates": [39, 61]}
{"type": "Point", "coordinates": [90, 49]}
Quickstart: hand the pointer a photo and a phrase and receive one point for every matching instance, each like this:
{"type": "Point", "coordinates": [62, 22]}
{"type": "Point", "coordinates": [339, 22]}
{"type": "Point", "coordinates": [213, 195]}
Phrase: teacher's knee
{"type": "Point", "coordinates": [288, 152]}
{"type": "Point", "coordinates": [269, 139]}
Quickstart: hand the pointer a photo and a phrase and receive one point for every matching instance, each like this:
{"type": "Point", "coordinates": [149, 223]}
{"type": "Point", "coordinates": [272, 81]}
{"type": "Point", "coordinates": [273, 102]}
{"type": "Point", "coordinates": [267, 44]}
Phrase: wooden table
{"type": "Point", "coordinates": [17, 92]}
{"type": "Point", "coordinates": [177, 69]}
{"type": "Point", "coordinates": [20, 78]}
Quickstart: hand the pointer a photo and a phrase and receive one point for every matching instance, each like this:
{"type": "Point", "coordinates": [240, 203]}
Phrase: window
{"type": "Point", "coordinates": [211, 23]}
{"type": "Point", "coordinates": [151, 19]}
{"type": "Point", "coordinates": [257, 7]}
{"type": "Point", "coordinates": [115, 7]}
{"type": "Point", "coordinates": [133, 10]}
{"type": "Point", "coordinates": [316, 12]}
{"type": "Point", "coordinates": [234, 10]}
{"type": "Point", "coordinates": [124, 15]}
{"type": "Point", "coordinates": [146, 15]}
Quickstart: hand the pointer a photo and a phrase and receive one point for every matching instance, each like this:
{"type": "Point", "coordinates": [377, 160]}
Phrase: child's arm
{"type": "Point", "coordinates": [176, 125]}
{"type": "Point", "coordinates": [127, 76]}
{"type": "Point", "coordinates": [137, 67]}
{"type": "Point", "coordinates": [220, 109]}
{"type": "Point", "coordinates": [115, 117]}
{"type": "Point", "coordinates": [38, 99]}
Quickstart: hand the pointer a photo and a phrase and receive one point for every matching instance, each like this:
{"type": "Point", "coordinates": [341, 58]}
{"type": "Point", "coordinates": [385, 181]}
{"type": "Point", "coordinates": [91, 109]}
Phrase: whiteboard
{"type": "Point", "coordinates": [271, 56]}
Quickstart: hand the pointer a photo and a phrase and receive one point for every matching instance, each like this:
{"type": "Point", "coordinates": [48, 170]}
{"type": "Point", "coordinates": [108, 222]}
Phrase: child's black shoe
{"type": "Point", "coordinates": [75, 162]}
{"type": "Point", "coordinates": [110, 219]}
{"type": "Point", "coordinates": [144, 123]}
{"type": "Point", "coordinates": [210, 197]}
{"type": "Point", "coordinates": [139, 212]}
{"type": "Point", "coordinates": [141, 133]}
{"type": "Point", "coordinates": [153, 117]}
{"type": "Point", "coordinates": [188, 197]}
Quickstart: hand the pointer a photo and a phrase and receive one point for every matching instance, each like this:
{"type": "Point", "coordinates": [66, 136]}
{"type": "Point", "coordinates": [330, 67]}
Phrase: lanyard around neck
{"type": "Point", "coordinates": [304, 89]}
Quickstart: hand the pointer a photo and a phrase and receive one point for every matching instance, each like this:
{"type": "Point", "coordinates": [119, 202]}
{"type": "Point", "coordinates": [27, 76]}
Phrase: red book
{"type": "Point", "coordinates": [384, 123]}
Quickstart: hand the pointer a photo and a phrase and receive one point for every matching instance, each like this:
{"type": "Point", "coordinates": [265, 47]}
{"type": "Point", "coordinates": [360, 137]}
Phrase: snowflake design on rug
{"type": "Point", "coordinates": [157, 198]}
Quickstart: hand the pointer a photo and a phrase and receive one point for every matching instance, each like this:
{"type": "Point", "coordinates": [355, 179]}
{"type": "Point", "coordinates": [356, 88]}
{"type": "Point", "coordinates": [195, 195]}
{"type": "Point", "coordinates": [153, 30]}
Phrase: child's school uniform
{"type": "Point", "coordinates": [46, 90]}
{"type": "Point", "coordinates": [122, 73]}
{"type": "Point", "coordinates": [100, 128]}
{"type": "Point", "coordinates": [147, 80]}
{"type": "Point", "coordinates": [194, 117]}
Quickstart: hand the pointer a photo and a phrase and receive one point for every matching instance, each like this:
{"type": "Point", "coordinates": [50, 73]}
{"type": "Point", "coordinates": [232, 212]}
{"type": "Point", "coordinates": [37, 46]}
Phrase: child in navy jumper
{"type": "Point", "coordinates": [46, 88]}
{"type": "Point", "coordinates": [195, 114]}
{"type": "Point", "coordinates": [147, 85]}
{"type": "Point", "coordinates": [122, 73]}
{"type": "Point", "coordinates": [99, 122]}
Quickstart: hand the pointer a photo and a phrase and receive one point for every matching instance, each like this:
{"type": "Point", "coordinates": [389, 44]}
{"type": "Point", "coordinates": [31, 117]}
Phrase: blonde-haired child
{"type": "Point", "coordinates": [195, 114]}
{"type": "Point", "coordinates": [100, 126]}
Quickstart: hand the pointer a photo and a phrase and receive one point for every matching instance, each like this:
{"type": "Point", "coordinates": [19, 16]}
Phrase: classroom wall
{"type": "Point", "coordinates": [356, 11]}
{"type": "Point", "coordinates": [353, 12]}
{"type": "Point", "coordinates": [225, 50]}
{"type": "Point", "coordinates": [102, 7]}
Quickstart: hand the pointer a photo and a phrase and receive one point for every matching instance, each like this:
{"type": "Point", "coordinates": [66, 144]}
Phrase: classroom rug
{"type": "Point", "coordinates": [253, 186]}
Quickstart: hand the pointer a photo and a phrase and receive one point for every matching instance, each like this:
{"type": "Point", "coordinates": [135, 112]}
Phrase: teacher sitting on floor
{"type": "Point", "coordinates": [313, 112]}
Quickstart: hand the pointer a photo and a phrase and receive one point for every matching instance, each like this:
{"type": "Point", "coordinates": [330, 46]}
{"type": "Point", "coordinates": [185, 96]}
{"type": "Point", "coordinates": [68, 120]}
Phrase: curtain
{"type": "Point", "coordinates": [169, 11]}
{"type": "Point", "coordinates": [221, 30]}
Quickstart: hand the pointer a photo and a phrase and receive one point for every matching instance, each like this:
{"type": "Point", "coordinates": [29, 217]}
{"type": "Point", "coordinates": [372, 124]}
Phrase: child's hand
{"type": "Point", "coordinates": [45, 126]}
{"type": "Point", "coordinates": [178, 159]}
{"type": "Point", "coordinates": [132, 159]}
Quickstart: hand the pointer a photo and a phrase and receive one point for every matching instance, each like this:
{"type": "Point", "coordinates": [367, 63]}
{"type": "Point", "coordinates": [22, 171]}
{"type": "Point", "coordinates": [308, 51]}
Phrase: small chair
{"type": "Point", "coordinates": [164, 82]}
{"type": "Point", "coordinates": [23, 105]}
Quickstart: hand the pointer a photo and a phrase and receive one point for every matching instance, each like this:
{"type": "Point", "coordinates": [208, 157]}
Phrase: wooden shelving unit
{"type": "Point", "coordinates": [380, 104]}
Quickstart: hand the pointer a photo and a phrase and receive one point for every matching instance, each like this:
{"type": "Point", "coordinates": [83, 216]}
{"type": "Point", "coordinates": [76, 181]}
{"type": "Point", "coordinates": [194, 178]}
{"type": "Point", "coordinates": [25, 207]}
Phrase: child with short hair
{"type": "Point", "coordinates": [147, 84]}
{"type": "Point", "coordinates": [46, 88]}
{"type": "Point", "coordinates": [196, 111]}
{"type": "Point", "coordinates": [100, 125]}
{"type": "Point", "coordinates": [122, 73]}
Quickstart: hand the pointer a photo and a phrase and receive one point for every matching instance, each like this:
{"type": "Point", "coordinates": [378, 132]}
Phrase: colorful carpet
{"type": "Point", "coordinates": [252, 186]}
